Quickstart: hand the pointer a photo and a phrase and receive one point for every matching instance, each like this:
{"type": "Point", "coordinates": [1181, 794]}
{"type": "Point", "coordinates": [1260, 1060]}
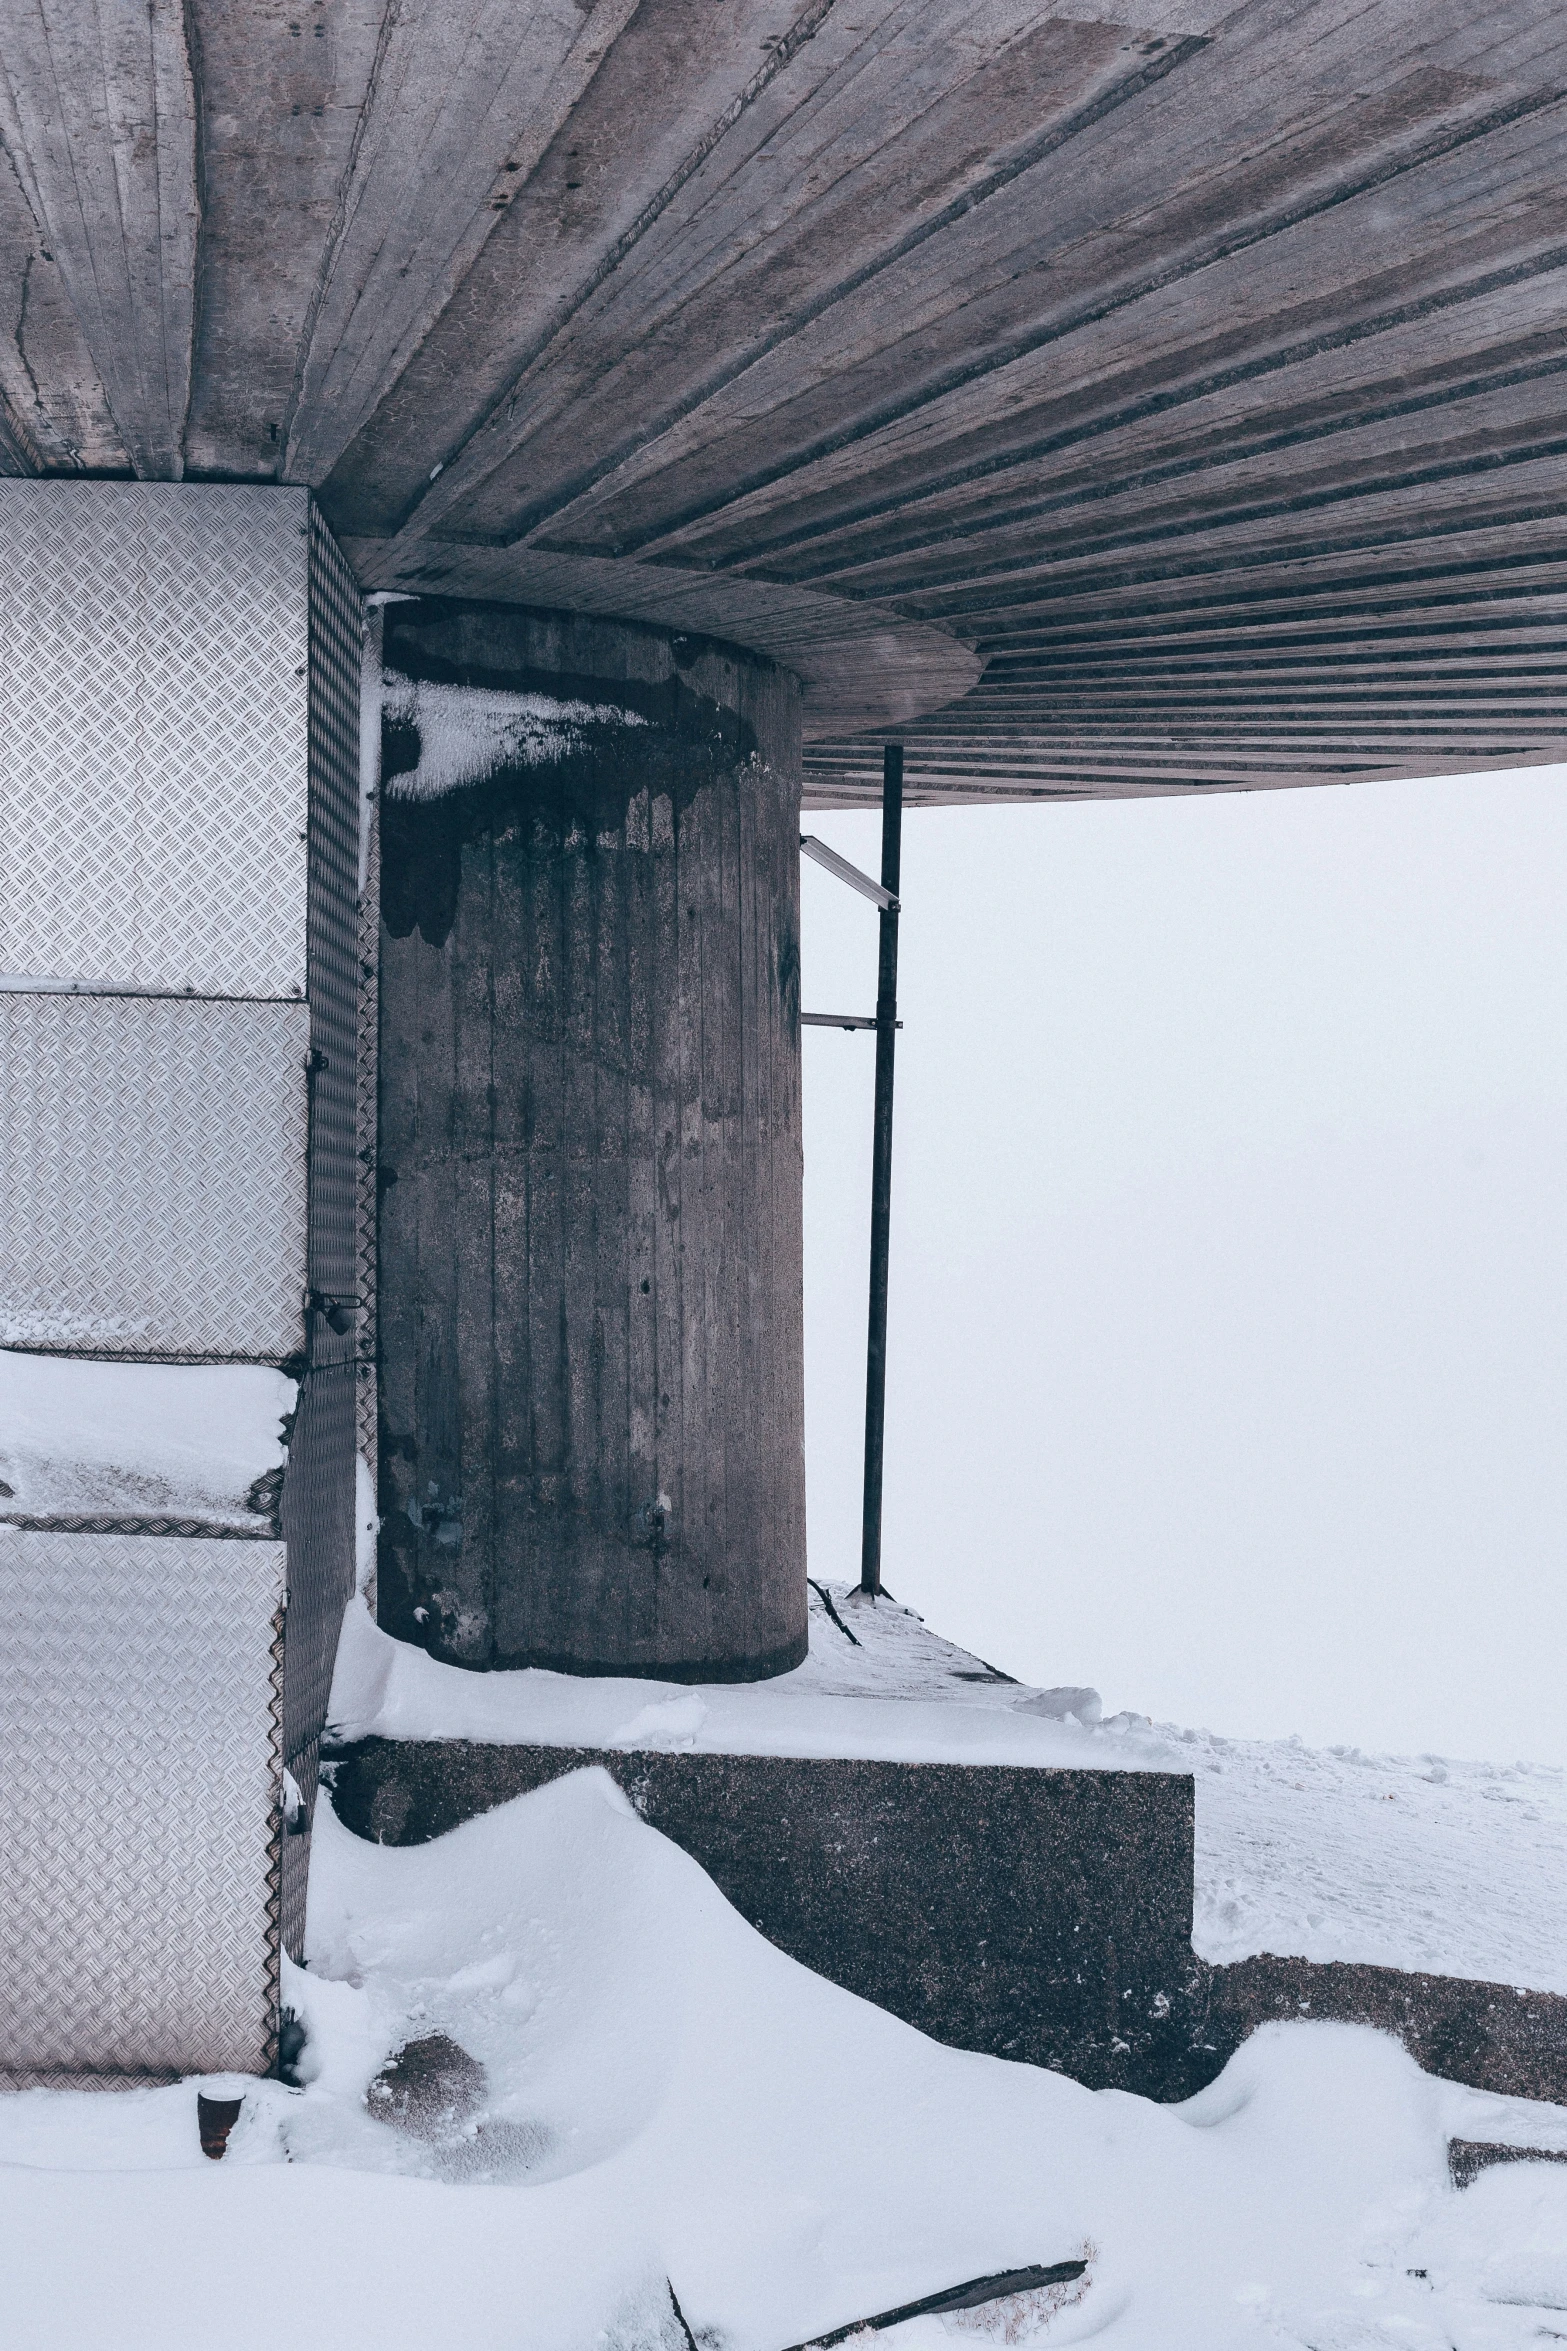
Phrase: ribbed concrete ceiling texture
{"type": "Point", "coordinates": [1156, 399]}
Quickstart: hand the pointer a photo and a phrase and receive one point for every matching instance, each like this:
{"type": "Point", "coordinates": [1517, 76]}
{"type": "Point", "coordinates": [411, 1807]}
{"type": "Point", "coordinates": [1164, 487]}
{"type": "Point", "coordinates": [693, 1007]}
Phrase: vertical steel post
{"type": "Point", "coordinates": [881, 1169]}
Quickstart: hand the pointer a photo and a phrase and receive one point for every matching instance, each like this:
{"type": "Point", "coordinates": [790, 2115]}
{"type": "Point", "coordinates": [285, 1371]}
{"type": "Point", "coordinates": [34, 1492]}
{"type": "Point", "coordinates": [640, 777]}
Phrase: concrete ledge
{"type": "Point", "coordinates": [1026, 1913]}
{"type": "Point", "coordinates": [860, 664]}
{"type": "Point", "coordinates": [1468, 2158]}
{"type": "Point", "coordinates": [1490, 2036]}
{"type": "Point", "coordinates": [1021, 1911]}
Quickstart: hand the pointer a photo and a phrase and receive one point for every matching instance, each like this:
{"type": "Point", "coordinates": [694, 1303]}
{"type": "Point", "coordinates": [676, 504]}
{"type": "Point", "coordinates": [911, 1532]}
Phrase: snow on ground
{"type": "Point", "coordinates": [1413, 1862]}
{"type": "Point", "coordinates": [667, 2100]}
{"type": "Point", "coordinates": [553, 2084]}
{"type": "Point", "coordinates": [1406, 1861]}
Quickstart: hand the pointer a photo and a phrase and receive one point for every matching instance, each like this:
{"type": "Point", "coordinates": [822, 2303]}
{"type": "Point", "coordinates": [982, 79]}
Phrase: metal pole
{"type": "Point", "coordinates": [881, 1168]}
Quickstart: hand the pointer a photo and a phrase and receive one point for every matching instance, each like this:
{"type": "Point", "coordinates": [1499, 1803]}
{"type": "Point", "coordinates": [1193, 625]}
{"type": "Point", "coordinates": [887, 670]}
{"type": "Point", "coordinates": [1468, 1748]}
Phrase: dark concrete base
{"type": "Point", "coordinates": [1043, 1915]}
{"type": "Point", "coordinates": [1468, 2158]}
{"type": "Point", "coordinates": [760, 1665]}
{"type": "Point", "coordinates": [1491, 2036]}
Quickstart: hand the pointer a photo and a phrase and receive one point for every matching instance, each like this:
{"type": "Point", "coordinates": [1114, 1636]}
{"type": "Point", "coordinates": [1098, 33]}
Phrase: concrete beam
{"type": "Point", "coordinates": [1057, 1929]}
{"type": "Point", "coordinates": [466, 102]}
{"type": "Point", "coordinates": [859, 665]}
{"type": "Point", "coordinates": [284, 92]}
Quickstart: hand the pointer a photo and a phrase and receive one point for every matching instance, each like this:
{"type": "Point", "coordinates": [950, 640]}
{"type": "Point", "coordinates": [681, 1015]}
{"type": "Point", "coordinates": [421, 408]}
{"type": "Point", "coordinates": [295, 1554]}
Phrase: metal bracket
{"type": "Point", "coordinates": [842, 1020]}
{"type": "Point", "coordinates": [830, 862]}
{"type": "Point", "coordinates": [340, 1314]}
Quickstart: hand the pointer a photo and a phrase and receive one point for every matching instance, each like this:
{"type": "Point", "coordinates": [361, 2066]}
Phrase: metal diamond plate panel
{"type": "Point", "coordinates": [140, 1753]}
{"type": "Point", "coordinates": [153, 731]}
{"type": "Point", "coordinates": [305, 1771]}
{"type": "Point", "coordinates": [369, 1036]}
{"type": "Point", "coordinates": [369, 1064]}
{"type": "Point", "coordinates": [318, 1526]}
{"type": "Point", "coordinates": [55, 2077]}
{"type": "Point", "coordinates": [152, 1164]}
{"type": "Point", "coordinates": [336, 636]}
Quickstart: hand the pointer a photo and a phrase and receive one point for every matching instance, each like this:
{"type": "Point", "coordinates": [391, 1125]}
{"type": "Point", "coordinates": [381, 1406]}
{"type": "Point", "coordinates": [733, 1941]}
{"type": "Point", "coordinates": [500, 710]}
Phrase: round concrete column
{"type": "Point", "coordinates": [590, 1233]}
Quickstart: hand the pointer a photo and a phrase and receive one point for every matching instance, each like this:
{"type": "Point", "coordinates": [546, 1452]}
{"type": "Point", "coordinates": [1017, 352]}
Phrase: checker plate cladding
{"type": "Point", "coordinates": [152, 1164]}
{"type": "Point", "coordinates": [318, 1525]}
{"type": "Point", "coordinates": [139, 1843]}
{"type": "Point", "coordinates": [336, 632]}
{"type": "Point", "coordinates": [165, 1203]}
{"type": "Point", "coordinates": [153, 729]}
{"type": "Point", "coordinates": [319, 1488]}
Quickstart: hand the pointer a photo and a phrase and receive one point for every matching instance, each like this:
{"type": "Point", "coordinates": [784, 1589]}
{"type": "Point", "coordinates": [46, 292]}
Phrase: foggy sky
{"type": "Point", "coordinates": [1227, 1341]}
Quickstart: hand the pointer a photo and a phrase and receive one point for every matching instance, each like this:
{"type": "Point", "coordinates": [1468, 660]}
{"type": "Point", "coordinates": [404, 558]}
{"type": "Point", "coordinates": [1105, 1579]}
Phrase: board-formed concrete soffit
{"type": "Point", "coordinates": [1154, 400]}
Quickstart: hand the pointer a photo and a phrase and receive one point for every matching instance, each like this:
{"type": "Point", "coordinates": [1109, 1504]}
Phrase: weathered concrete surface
{"type": "Point", "coordinates": [1467, 2158]}
{"type": "Point", "coordinates": [98, 116]}
{"type": "Point", "coordinates": [590, 1235]}
{"type": "Point", "coordinates": [853, 661]}
{"type": "Point", "coordinates": [1197, 364]}
{"type": "Point", "coordinates": [1044, 1915]}
{"type": "Point", "coordinates": [1498, 2037]}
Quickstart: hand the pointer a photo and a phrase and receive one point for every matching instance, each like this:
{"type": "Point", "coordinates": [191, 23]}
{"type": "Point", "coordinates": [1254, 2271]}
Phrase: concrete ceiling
{"type": "Point", "coordinates": [1192, 372]}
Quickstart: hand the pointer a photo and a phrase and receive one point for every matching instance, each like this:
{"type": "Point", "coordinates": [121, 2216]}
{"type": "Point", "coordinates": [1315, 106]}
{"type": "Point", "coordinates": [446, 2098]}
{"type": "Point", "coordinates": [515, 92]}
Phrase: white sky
{"type": "Point", "coordinates": [1229, 1273]}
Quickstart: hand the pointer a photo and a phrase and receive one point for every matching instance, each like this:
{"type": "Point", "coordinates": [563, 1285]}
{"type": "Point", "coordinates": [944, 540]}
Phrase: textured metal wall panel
{"type": "Point", "coordinates": [153, 720]}
{"type": "Point", "coordinates": [305, 1771]}
{"type": "Point", "coordinates": [152, 1165]}
{"type": "Point", "coordinates": [140, 1754]}
{"type": "Point", "coordinates": [109, 1447]}
{"type": "Point", "coordinates": [369, 1129]}
{"type": "Point", "coordinates": [369, 1043]}
{"type": "Point", "coordinates": [318, 1527]}
{"type": "Point", "coordinates": [64, 2077]}
{"type": "Point", "coordinates": [318, 1489]}
{"type": "Point", "coordinates": [336, 636]}
{"type": "Point", "coordinates": [179, 731]}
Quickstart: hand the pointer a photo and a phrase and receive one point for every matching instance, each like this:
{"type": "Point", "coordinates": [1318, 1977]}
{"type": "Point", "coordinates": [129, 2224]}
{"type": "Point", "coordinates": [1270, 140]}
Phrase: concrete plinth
{"type": "Point", "coordinates": [1043, 1915]}
{"type": "Point", "coordinates": [1026, 1913]}
{"type": "Point", "coordinates": [590, 1149]}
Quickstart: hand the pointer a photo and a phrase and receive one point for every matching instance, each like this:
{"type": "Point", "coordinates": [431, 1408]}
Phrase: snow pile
{"type": "Point", "coordinates": [467, 732]}
{"type": "Point", "coordinates": [641, 2099]}
{"type": "Point", "coordinates": [556, 2095]}
{"type": "Point", "coordinates": [877, 1683]}
{"type": "Point", "coordinates": [141, 1440]}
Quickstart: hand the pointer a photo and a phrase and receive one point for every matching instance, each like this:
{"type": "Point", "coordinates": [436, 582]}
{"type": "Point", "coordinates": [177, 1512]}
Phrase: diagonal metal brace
{"type": "Point", "coordinates": [841, 1020]}
{"type": "Point", "coordinates": [830, 862]}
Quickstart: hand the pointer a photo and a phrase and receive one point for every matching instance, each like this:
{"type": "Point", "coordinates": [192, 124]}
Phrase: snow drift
{"type": "Point", "coordinates": [655, 2097]}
